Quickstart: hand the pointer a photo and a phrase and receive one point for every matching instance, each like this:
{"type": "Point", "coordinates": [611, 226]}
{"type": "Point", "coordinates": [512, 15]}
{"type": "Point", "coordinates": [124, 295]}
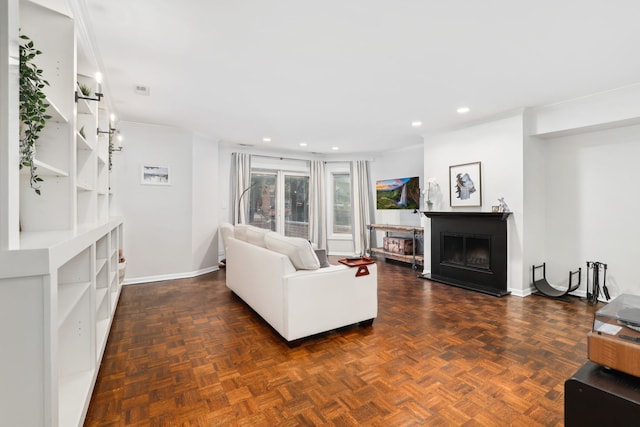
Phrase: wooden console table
{"type": "Point", "coordinates": [414, 259]}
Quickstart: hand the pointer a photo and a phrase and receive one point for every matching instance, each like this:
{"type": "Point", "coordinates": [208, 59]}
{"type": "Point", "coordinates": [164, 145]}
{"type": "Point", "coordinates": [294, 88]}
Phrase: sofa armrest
{"type": "Point", "coordinates": [328, 298]}
{"type": "Point", "coordinates": [255, 275]}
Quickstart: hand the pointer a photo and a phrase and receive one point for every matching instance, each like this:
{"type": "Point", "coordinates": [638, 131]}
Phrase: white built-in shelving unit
{"type": "Point", "coordinates": [59, 256]}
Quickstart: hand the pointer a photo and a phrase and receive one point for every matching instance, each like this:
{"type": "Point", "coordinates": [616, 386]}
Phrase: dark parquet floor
{"type": "Point", "coordinates": [190, 353]}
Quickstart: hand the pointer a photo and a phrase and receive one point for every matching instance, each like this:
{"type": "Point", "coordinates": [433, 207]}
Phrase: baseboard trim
{"type": "Point", "coordinates": [163, 277]}
{"type": "Point", "coordinates": [520, 292]}
{"type": "Point", "coordinates": [580, 293]}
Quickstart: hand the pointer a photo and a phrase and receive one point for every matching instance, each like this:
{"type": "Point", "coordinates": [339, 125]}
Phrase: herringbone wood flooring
{"type": "Point", "coordinates": [190, 353]}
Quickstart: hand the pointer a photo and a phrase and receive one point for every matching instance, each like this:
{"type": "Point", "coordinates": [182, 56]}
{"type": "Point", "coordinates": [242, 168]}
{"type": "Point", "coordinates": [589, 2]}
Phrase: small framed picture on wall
{"type": "Point", "coordinates": [465, 185]}
{"type": "Point", "coordinates": [152, 174]}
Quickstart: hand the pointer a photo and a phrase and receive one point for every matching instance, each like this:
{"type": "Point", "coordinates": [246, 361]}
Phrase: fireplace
{"type": "Point", "coordinates": [469, 250]}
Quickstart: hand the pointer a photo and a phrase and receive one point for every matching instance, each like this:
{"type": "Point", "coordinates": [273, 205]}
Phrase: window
{"type": "Point", "coordinates": [262, 208]}
{"type": "Point", "coordinates": [280, 202]}
{"type": "Point", "coordinates": [342, 212]}
{"type": "Point", "coordinates": [296, 206]}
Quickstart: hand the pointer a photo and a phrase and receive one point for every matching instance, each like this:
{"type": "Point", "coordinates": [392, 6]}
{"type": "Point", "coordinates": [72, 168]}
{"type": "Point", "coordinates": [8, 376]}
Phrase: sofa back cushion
{"type": "Point", "coordinates": [322, 257]}
{"type": "Point", "coordinates": [299, 250]}
{"type": "Point", "coordinates": [251, 234]}
{"type": "Point", "coordinates": [226, 231]}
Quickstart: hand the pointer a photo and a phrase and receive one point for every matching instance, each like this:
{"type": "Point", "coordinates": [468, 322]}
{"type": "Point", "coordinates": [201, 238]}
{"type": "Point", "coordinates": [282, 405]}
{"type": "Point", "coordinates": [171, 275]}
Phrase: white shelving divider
{"type": "Point", "coordinates": [102, 312]}
{"type": "Point", "coordinates": [59, 279]}
{"type": "Point", "coordinates": [53, 33]}
{"type": "Point", "coordinates": [69, 294]}
{"type": "Point", "coordinates": [86, 151]}
{"type": "Point", "coordinates": [117, 268]}
{"type": "Point", "coordinates": [105, 125]}
{"type": "Point", "coordinates": [45, 169]}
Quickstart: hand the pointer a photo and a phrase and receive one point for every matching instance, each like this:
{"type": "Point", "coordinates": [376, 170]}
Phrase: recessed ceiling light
{"type": "Point", "coordinates": [463, 110]}
{"type": "Point", "coordinates": [416, 124]}
{"type": "Point", "coordinates": [266, 139]}
{"type": "Point", "coordinates": [335, 148]}
{"type": "Point", "coordinates": [303, 144]}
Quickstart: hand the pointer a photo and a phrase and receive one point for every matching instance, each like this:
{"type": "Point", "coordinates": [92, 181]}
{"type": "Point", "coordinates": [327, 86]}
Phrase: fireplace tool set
{"type": "Point", "coordinates": [594, 290]}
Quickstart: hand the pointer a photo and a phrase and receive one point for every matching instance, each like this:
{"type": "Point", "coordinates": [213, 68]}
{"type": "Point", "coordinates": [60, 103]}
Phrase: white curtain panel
{"type": "Point", "coordinates": [360, 193]}
{"type": "Point", "coordinates": [318, 204]}
{"type": "Point", "coordinates": [240, 183]}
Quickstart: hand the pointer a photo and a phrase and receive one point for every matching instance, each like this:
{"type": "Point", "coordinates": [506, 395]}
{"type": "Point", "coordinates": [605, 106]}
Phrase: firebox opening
{"type": "Point", "coordinates": [466, 251]}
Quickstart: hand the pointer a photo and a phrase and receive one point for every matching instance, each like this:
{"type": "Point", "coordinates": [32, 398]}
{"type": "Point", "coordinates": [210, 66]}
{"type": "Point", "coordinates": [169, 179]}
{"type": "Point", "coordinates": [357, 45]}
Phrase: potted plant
{"type": "Point", "coordinates": [84, 89]}
{"type": "Point", "coordinates": [33, 107]}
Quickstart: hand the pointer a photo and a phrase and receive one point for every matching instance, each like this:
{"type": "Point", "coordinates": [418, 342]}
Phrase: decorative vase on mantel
{"type": "Point", "coordinates": [429, 205]}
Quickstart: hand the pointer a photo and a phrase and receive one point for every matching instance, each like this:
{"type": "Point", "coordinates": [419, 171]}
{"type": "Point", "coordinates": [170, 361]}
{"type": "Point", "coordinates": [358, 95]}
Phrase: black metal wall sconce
{"type": "Point", "coordinates": [110, 132]}
{"type": "Point", "coordinates": [112, 146]}
{"type": "Point", "coordinates": [85, 90]}
{"type": "Point", "coordinates": [97, 98]}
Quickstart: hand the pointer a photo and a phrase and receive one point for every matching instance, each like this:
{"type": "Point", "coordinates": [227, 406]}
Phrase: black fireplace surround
{"type": "Point", "coordinates": [469, 250]}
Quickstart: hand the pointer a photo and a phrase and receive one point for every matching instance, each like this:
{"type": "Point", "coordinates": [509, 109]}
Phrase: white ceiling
{"type": "Point", "coordinates": [354, 73]}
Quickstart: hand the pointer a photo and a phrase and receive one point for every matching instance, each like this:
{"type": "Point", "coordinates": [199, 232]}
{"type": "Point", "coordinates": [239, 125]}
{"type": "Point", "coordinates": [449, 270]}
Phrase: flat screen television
{"type": "Point", "coordinates": [399, 193]}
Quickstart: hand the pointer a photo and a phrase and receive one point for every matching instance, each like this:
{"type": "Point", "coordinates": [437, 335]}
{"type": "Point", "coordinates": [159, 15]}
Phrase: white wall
{"type": "Point", "coordinates": [603, 110]}
{"type": "Point", "coordinates": [401, 163]}
{"type": "Point", "coordinates": [169, 230]}
{"type": "Point", "coordinates": [205, 202]}
{"type": "Point", "coordinates": [590, 155]}
{"type": "Point", "coordinates": [498, 145]}
{"type": "Point", "coordinates": [224, 192]}
{"type": "Point", "coordinates": [9, 148]}
{"type": "Point", "coordinates": [592, 206]}
{"type": "Point", "coordinates": [535, 203]}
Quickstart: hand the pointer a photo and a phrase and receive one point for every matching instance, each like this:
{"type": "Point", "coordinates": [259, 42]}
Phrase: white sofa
{"type": "Point", "coordinates": [296, 302]}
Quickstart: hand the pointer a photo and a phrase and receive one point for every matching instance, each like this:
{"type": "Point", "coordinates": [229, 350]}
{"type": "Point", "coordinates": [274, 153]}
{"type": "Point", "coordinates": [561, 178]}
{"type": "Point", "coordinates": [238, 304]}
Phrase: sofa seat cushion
{"type": "Point", "coordinates": [299, 250]}
{"type": "Point", "coordinates": [251, 234]}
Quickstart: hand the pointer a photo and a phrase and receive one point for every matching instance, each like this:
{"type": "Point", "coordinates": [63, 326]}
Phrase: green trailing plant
{"type": "Point", "coordinates": [86, 90]}
{"type": "Point", "coordinates": [33, 108]}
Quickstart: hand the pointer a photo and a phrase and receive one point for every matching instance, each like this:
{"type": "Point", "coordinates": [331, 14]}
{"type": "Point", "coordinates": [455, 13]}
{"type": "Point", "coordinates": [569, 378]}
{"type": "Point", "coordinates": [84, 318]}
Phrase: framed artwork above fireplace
{"type": "Point", "coordinates": [465, 185]}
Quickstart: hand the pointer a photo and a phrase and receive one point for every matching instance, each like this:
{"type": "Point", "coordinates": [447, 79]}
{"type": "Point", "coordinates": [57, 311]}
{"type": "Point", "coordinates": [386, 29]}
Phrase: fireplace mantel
{"type": "Point", "coordinates": [469, 250]}
{"type": "Point", "coordinates": [497, 215]}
